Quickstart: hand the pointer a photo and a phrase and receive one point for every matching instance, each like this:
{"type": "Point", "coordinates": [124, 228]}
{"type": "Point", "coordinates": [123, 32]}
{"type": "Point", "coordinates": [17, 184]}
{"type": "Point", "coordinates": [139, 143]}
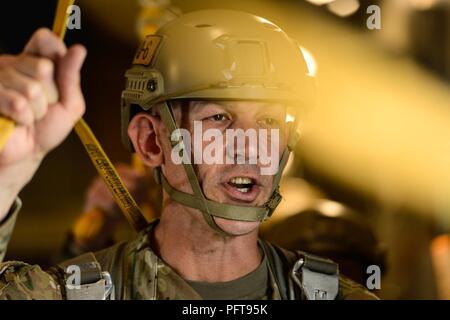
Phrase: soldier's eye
{"type": "Point", "coordinates": [219, 117]}
{"type": "Point", "coordinates": [269, 122]}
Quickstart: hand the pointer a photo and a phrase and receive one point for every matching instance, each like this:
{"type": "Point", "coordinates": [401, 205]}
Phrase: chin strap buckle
{"type": "Point", "coordinates": [272, 203]}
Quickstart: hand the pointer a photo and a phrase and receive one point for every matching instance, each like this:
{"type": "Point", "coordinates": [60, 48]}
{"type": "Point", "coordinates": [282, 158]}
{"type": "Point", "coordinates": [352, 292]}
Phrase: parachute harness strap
{"type": "Point", "coordinates": [198, 200]}
{"type": "Point", "coordinates": [209, 208]}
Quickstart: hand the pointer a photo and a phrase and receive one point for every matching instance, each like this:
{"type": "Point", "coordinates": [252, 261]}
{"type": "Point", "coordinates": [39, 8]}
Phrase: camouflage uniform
{"type": "Point", "coordinates": [137, 273]}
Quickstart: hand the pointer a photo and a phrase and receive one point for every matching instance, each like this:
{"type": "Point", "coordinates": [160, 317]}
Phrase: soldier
{"type": "Point", "coordinates": [223, 69]}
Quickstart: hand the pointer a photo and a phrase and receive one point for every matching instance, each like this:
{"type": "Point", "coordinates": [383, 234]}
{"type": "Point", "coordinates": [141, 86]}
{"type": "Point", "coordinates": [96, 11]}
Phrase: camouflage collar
{"type": "Point", "coordinates": [150, 278]}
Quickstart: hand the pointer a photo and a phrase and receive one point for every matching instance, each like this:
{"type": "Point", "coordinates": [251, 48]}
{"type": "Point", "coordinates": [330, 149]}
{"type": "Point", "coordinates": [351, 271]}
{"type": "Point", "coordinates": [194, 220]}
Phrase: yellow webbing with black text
{"type": "Point", "coordinates": [100, 160]}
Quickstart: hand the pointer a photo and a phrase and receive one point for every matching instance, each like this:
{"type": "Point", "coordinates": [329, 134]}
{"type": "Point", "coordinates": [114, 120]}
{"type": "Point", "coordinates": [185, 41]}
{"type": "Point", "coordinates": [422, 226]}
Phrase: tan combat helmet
{"type": "Point", "coordinates": [218, 55]}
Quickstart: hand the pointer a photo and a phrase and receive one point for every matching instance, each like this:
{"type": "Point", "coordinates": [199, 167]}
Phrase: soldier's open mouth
{"type": "Point", "coordinates": [242, 184]}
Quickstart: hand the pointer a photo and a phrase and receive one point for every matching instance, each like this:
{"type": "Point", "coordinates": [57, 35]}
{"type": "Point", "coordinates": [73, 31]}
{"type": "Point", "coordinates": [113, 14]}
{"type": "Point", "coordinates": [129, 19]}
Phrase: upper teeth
{"type": "Point", "coordinates": [241, 180]}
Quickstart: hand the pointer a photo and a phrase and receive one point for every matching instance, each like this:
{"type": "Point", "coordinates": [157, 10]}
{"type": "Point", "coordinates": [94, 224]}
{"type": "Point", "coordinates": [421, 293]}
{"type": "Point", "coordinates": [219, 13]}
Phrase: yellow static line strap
{"type": "Point", "coordinates": [59, 28]}
{"type": "Point", "coordinates": [62, 13]}
{"type": "Point", "coordinates": [100, 160]}
{"type": "Point", "coordinates": [6, 130]}
{"type": "Point", "coordinates": [109, 174]}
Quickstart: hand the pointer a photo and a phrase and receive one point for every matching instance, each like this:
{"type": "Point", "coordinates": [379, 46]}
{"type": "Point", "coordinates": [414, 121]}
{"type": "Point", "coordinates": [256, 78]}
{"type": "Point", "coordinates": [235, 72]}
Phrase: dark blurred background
{"type": "Point", "coordinates": [378, 142]}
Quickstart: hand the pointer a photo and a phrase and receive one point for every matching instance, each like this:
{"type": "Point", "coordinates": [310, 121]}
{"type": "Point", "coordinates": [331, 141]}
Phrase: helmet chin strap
{"type": "Point", "coordinates": [209, 208]}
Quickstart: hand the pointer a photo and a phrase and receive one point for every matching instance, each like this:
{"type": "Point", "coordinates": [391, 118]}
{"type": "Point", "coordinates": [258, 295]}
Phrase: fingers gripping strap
{"type": "Point", "coordinates": [7, 126]}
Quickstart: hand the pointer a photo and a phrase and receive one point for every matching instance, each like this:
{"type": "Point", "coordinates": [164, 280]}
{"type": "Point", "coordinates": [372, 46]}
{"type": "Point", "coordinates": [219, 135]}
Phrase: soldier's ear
{"type": "Point", "coordinates": [143, 133]}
